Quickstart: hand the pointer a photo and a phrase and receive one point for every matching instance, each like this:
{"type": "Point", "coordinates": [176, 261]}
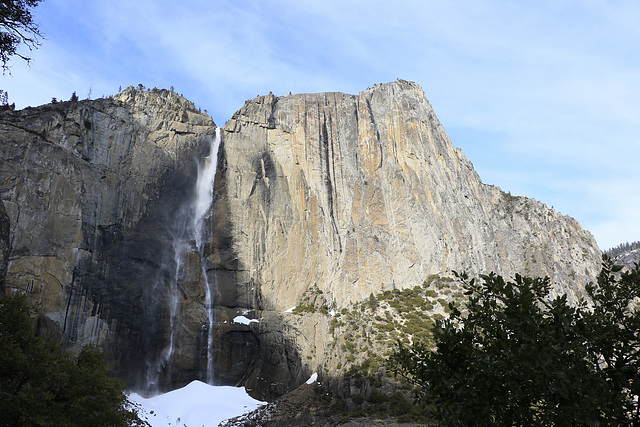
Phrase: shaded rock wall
{"type": "Point", "coordinates": [5, 245]}
{"type": "Point", "coordinates": [92, 190]}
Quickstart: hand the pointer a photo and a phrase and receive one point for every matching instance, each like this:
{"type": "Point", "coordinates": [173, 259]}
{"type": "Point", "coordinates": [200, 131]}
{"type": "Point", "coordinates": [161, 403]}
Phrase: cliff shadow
{"type": "Point", "coordinates": [253, 352]}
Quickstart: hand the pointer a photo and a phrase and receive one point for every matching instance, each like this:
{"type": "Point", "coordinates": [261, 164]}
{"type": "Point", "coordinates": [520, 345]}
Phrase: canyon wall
{"type": "Point", "coordinates": [92, 189]}
{"type": "Point", "coordinates": [325, 199]}
{"type": "Point", "coordinates": [362, 193]}
{"type": "Point", "coordinates": [319, 198]}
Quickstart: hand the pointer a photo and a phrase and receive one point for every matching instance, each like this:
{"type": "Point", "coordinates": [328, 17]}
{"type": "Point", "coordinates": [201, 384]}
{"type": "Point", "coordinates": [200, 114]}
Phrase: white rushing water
{"type": "Point", "coordinates": [172, 263]}
{"type": "Point", "coordinates": [188, 228]}
{"type": "Point", "coordinates": [202, 209]}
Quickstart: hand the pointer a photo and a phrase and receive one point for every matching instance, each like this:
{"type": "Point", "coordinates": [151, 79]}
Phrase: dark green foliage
{"type": "Point", "coordinates": [520, 358]}
{"type": "Point", "coordinates": [382, 405]}
{"type": "Point", "coordinates": [41, 385]}
{"type": "Point", "coordinates": [304, 308]}
{"type": "Point", "coordinates": [373, 325]}
{"type": "Point", "coordinates": [16, 28]}
{"type": "Point", "coordinates": [613, 338]}
{"type": "Point", "coordinates": [312, 301]}
{"type": "Point", "coordinates": [373, 302]}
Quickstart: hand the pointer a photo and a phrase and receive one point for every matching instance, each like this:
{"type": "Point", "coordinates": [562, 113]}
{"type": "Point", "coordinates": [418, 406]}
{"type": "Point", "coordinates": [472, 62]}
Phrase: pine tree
{"type": "Point", "coordinates": [515, 356]}
{"type": "Point", "coordinates": [41, 385]}
{"type": "Point", "coordinates": [16, 28]}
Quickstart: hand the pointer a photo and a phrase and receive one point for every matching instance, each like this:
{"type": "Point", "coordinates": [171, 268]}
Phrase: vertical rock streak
{"type": "Point", "coordinates": [371, 193]}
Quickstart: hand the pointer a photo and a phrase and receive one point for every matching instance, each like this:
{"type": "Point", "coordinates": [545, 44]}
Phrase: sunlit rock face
{"type": "Point", "coordinates": [362, 193]}
{"type": "Point", "coordinates": [357, 194]}
{"type": "Point", "coordinates": [331, 195]}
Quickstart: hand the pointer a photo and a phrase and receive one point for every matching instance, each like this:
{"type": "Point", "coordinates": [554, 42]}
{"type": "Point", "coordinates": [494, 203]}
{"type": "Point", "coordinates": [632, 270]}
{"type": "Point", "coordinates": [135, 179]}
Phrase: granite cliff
{"type": "Point", "coordinates": [91, 189]}
{"type": "Point", "coordinates": [357, 193]}
{"type": "Point", "coordinates": [328, 198]}
{"type": "Point", "coordinates": [321, 200]}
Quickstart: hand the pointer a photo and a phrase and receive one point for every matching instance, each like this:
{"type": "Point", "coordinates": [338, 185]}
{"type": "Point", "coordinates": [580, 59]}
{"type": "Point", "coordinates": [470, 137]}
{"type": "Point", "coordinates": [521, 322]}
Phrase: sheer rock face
{"type": "Point", "coordinates": [5, 246]}
{"type": "Point", "coordinates": [91, 189]}
{"type": "Point", "coordinates": [352, 194]}
{"type": "Point", "coordinates": [358, 194]}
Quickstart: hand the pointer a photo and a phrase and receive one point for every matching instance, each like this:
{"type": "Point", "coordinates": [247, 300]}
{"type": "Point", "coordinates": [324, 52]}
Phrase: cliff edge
{"type": "Point", "coordinates": [363, 193]}
{"type": "Point", "coordinates": [321, 202]}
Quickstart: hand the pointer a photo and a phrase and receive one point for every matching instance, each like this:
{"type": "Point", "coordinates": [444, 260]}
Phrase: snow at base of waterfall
{"type": "Point", "coordinates": [195, 405]}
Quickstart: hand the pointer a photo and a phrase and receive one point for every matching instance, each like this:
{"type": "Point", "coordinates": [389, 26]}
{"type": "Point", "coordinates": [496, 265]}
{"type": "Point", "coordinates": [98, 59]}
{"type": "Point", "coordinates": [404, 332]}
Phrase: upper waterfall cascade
{"type": "Point", "coordinates": [188, 229]}
{"type": "Point", "coordinates": [202, 209]}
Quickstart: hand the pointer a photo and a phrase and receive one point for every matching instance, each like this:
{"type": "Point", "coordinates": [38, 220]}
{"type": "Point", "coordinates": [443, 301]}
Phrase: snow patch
{"type": "Point", "coordinates": [197, 404]}
{"type": "Point", "coordinates": [290, 310]}
{"type": "Point", "coordinates": [313, 378]}
{"type": "Point", "coordinates": [243, 320]}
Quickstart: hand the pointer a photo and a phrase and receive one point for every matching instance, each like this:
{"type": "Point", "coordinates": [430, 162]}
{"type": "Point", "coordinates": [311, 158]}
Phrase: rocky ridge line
{"type": "Point", "coordinates": [321, 200]}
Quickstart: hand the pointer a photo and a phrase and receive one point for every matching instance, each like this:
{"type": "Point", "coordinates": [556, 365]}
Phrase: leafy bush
{"type": "Point", "coordinates": [520, 358]}
{"type": "Point", "coordinates": [41, 385]}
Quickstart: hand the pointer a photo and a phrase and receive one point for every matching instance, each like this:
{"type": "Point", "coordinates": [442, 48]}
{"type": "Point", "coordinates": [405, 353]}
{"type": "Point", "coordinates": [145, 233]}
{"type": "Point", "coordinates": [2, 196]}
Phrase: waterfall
{"type": "Point", "coordinates": [202, 208]}
{"type": "Point", "coordinates": [188, 228]}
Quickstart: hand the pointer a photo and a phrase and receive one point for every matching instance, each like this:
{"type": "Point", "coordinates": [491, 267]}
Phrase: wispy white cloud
{"type": "Point", "coordinates": [543, 96]}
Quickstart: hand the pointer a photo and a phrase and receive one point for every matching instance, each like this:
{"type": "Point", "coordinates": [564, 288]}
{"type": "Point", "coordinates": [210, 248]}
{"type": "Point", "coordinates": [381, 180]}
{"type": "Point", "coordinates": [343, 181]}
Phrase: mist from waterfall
{"type": "Point", "coordinates": [202, 209]}
{"type": "Point", "coordinates": [187, 229]}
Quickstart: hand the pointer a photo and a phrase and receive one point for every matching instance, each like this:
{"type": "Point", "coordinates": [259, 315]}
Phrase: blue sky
{"type": "Point", "coordinates": [543, 97]}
